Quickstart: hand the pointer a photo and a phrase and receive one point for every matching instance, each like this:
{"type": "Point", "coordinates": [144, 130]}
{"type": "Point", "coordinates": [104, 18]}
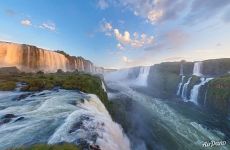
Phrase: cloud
{"type": "Point", "coordinates": [205, 9]}
{"type": "Point", "coordinates": [155, 15]}
{"type": "Point", "coordinates": [135, 41]}
{"type": "Point", "coordinates": [120, 47]}
{"type": "Point", "coordinates": [155, 10]}
{"type": "Point", "coordinates": [10, 12]}
{"type": "Point", "coordinates": [48, 26]}
{"type": "Point", "coordinates": [102, 4]}
{"type": "Point", "coordinates": [106, 27]}
{"type": "Point", "coordinates": [125, 39]}
{"type": "Point", "coordinates": [226, 17]}
{"type": "Point", "coordinates": [26, 22]}
{"type": "Point", "coordinates": [176, 37]}
{"type": "Point", "coordinates": [171, 39]}
{"type": "Point", "coordinates": [126, 59]}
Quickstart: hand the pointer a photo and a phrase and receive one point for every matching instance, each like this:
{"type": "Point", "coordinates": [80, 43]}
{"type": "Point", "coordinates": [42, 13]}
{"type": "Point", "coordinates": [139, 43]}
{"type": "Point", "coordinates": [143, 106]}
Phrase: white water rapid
{"type": "Point", "coordinates": [196, 88]}
{"type": "Point", "coordinates": [162, 121]}
{"type": "Point", "coordinates": [57, 116]}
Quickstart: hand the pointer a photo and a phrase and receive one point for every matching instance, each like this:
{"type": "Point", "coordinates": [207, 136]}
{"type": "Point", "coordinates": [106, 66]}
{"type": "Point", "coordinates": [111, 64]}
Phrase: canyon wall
{"type": "Point", "coordinates": [205, 83]}
{"type": "Point", "coordinates": [29, 58]}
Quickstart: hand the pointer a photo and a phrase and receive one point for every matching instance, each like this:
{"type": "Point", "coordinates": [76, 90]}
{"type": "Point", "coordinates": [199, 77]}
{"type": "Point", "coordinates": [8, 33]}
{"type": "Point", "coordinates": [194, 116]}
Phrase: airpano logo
{"type": "Point", "coordinates": [214, 143]}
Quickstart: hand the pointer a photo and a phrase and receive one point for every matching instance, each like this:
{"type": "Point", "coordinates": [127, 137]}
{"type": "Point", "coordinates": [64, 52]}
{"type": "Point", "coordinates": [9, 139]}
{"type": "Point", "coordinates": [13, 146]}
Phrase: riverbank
{"type": "Point", "coordinates": [70, 81]}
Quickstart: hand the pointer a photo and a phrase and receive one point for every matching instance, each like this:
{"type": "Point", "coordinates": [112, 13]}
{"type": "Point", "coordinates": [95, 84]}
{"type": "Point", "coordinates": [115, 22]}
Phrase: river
{"type": "Point", "coordinates": [164, 124]}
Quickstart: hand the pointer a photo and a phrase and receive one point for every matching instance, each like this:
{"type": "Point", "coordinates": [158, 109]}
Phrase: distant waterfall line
{"type": "Point", "coordinates": [195, 91]}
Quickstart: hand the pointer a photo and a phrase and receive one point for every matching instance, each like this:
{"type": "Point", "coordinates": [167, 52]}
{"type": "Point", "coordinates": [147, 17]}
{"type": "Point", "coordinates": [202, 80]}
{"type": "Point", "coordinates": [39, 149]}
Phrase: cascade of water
{"type": "Point", "coordinates": [103, 86]}
{"type": "Point", "coordinates": [142, 79]}
{"type": "Point", "coordinates": [94, 120]}
{"type": "Point", "coordinates": [54, 117]}
{"type": "Point", "coordinates": [185, 88]}
{"type": "Point", "coordinates": [180, 85]}
{"type": "Point", "coordinates": [196, 88]}
{"type": "Point", "coordinates": [181, 69]}
{"type": "Point", "coordinates": [197, 69]}
{"type": "Point", "coordinates": [82, 65]}
{"type": "Point", "coordinates": [182, 80]}
{"type": "Point", "coordinates": [32, 59]}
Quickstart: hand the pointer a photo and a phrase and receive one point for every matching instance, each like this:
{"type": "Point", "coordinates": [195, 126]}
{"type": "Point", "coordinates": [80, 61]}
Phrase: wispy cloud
{"type": "Point", "coordinates": [106, 27]}
{"type": "Point", "coordinates": [155, 11]}
{"type": "Point", "coordinates": [10, 12]}
{"type": "Point", "coordinates": [120, 47]}
{"type": "Point", "coordinates": [102, 4]}
{"type": "Point", "coordinates": [26, 22]}
{"type": "Point", "coordinates": [49, 25]}
{"type": "Point", "coordinates": [202, 10]}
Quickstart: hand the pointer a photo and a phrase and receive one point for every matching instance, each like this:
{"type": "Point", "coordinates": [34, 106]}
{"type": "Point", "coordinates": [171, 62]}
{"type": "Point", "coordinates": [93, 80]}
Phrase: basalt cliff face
{"type": "Point", "coordinates": [205, 83]}
{"type": "Point", "coordinates": [29, 58]}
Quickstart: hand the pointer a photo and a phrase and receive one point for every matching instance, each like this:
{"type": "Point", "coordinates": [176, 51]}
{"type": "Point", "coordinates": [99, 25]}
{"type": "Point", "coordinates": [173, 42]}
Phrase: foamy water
{"type": "Point", "coordinates": [58, 116]}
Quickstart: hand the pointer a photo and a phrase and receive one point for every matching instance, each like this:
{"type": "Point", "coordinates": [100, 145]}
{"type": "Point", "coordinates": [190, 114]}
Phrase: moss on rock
{"type": "Point", "coordinates": [163, 79]}
{"type": "Point", "coordinates": [218, 95]}
{"type": "Point", "coordinates": [70, 81]}
{"type": "Point", "coordinates": [64, 146]}
{"type": "Point", "coordinates": [7, 86]}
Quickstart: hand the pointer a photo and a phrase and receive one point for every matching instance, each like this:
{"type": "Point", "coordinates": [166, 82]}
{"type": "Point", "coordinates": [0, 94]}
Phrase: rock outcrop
{"type": "Point", "coordinates": [209, 82]}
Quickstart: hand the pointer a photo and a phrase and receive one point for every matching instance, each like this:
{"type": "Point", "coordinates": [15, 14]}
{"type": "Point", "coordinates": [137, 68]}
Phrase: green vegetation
{"type": "Point", "coordinates": [216, 67]}
{"type": "Point", "coordinates": [218, 95]}
{"type": "Point", "coordinates": [163, 80]}
{"type": "Point", "coordinates": [7, 85]}
{"type": "Point", "coordinates": [70, 81]}
{"type": "Point", "coordinates": [64, 146]}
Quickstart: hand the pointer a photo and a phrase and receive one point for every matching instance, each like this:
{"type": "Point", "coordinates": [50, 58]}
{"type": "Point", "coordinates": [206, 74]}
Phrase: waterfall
{"type": "Point", "coordinates": [55, 117]}
{"type": "Point", "coordinates": [82, 65]}
{"type": "Point", "coordinates": [142, 79]}
{"type": "Point", "coordinates": [185, 89]}
{"type": "Point", "coordinates": [103, 86]}
{"type": "Point", "coordinates": [182, 79]}
{"type": "Point", "coordinates": [196, 88]}
{"type": "Point", "coordinates": [197, 69]}
{"type": "Point", "coordinates": [32, 59]}
{"type": "Point", "coordinates": [137, 76]}
{"type": "Point", "coordinates": [94, 120]}
{"type": "Point", "coordinates": [181, 69]}
{"type": "Point", "coordinates": [180, 85]}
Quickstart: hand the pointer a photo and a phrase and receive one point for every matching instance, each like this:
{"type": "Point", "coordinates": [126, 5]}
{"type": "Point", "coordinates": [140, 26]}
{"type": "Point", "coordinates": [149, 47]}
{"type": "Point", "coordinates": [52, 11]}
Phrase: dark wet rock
{"type": "Point", "coordinates": [83, 144]}
{"type": "Point", "coordinates": [5, 120]}
{"type": "Point", "coordinates": [94, 137]}
{"type": "Point", "coordinates": [79, 125]}
{"type": "Point", "coordinates": [73, 103]}
{"type": "Point", "coordinates": [8, 116]}
{"type": "Point", "coordinates": [21, 97]}
{"type": "Point", "coordinates": [76, 126]}
{"type": "Point", "coordinates": [19, 119]}
{"type": "Point", "coordinates": [94, 147]}
{"type": "Point", "coordinates": [82, 100]}
{"type": "Point", "coordinates": [56, 89]}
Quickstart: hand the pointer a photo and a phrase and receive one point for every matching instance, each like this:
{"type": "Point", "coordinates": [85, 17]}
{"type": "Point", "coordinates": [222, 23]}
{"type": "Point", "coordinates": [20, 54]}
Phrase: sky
{"type": "Point", "coordinates": [121, 33]}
